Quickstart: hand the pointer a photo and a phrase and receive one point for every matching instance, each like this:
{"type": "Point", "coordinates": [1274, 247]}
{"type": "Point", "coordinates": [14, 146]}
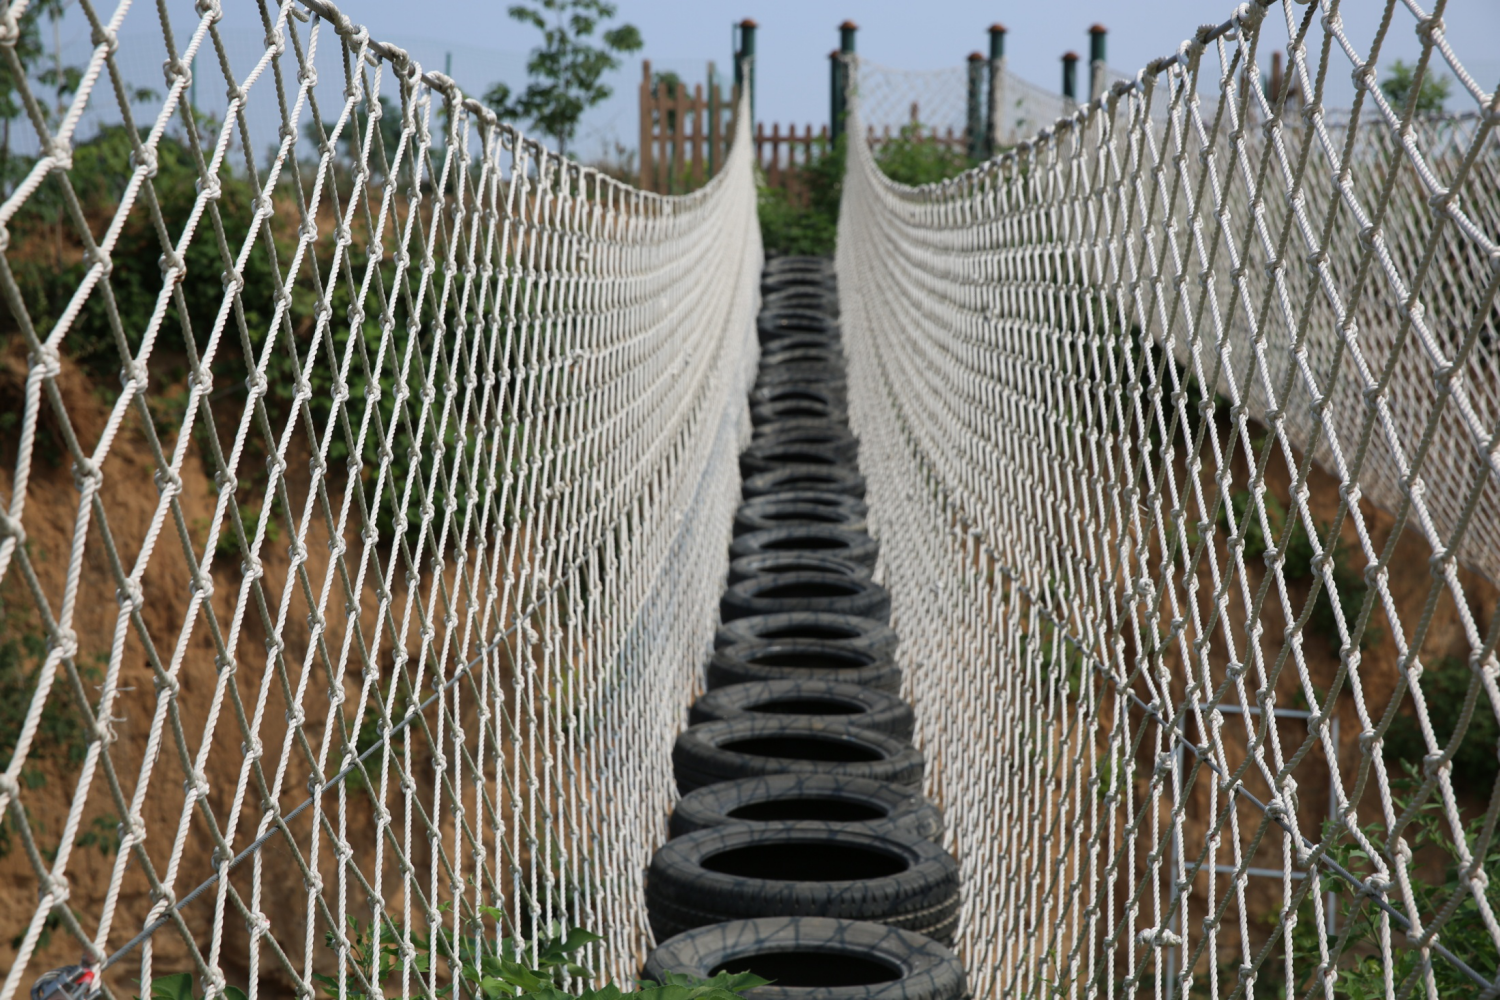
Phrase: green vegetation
{"type": "Point", "coordinates": [724, 986]}
{"type": "Point", "coordinates": [1445, 689]}
{"type": "Point", "coordinates": [512, 969]}
{"type": "Point", "coordinates": [509, 970]}
{"type": "Point", "coordinates": [49, 277]}
{"type": "Point", "coordinates": [1430, 99]}
{"type": "Point", "coordinates": [1298, 566]}
{"type": "Point", "coordinates": [103, 833]}
{"type": "Point", "coordinates": [567, 70]}
{"type": "Point", "coordinates": [180, 987]}
{"type": "Point", "coordinates": [810, 225]}
{"type": "Point", "coordinates": [61, 734]}
{"type": "Point", "coordinates": [810, 228]}
{"type": "Point", "coordinates": [912, 158]}
{"type": "Point", "coordinates": [1361, 974]}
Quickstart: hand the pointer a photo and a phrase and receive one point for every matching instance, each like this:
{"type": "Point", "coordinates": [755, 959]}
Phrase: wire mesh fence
{"type": "Point", "coordinates": [366, 477]}
{"type": "Point", "coordinates": [1181, 427]}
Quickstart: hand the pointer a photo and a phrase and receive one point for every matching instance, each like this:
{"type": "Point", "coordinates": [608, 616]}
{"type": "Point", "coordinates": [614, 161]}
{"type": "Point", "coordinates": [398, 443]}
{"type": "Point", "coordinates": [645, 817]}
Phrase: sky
{"type": "Point", "coordinates": [483, 45]}
{"type": "Point", "coordinates": [795, 37]}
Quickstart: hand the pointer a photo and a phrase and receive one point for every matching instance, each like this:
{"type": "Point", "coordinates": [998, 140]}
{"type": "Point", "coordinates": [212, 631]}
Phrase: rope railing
{"type": "Point", "coordinates": [1181, 421]}
{"type": "Point", "coordinates": [355, 618]}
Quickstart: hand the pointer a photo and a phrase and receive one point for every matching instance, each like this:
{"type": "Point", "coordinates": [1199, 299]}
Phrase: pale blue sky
{"type": "Point", "coordinates": [795, 37]}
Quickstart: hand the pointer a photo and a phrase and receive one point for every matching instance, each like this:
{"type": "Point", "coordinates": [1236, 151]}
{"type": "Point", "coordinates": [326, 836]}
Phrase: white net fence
{"type": "Point", "coordinates": [365, 495]}
{"type": "Point", "coordinates": [938, 100]}
{"type": "Point", "coordinates": [892, 99]}
{"type": "Point", "coordinates": [1182, 428]}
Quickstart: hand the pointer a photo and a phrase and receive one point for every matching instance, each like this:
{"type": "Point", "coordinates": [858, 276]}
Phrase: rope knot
{"type": "Point", "coordinates": [48, 359]}
{"type": "Point", "coordinates": [10, 527]}
{"type": "Point", "coordinates": [65, 641]}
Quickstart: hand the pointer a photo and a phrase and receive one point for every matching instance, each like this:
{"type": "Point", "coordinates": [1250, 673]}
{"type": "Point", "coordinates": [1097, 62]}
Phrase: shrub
{"type": "Point", "coordinates": [912, 158]}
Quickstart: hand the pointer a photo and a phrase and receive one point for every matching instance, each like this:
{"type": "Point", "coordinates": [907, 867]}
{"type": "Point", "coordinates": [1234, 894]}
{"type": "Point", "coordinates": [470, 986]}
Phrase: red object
{"type": "Point", "coordinates": [71, 982]}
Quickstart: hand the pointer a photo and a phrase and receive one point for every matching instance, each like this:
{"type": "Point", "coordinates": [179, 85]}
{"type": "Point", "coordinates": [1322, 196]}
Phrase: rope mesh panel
{"type": "Point", "coordinates": [380, 584]}
{"type": "Point", "coordinates": [938, 100]}
{"type": "Point", "coordinates": [1182, 429]}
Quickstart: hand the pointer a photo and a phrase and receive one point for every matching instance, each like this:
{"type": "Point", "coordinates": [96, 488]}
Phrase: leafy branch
{"type": "Point", "coordinates": [568, 68]}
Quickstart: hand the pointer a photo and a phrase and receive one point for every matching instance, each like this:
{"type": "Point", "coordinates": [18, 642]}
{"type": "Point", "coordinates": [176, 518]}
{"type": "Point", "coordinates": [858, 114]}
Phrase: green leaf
{"type": "Point", "coordinates": [493, 988]}
{"type": "Point", "coordinates": [175, 987]}
{"type": "Point", "coordinates": [737, 982]}
{"type": "Point", "coordinates": [578, 937]}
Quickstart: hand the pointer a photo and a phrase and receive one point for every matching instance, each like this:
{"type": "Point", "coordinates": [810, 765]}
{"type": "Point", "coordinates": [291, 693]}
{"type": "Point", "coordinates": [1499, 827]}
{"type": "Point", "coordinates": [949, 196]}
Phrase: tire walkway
{"type": "Point", "coordinates": [803, 849]}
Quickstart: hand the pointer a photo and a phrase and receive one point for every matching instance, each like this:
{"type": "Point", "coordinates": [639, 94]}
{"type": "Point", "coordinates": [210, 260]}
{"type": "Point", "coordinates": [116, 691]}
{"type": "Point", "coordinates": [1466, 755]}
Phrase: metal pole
{"type": "Point", "coordinates": [1097, 35]}
{"type": "Point", "coordinates": [1070, 78]}
{"type": "Point", "coordinates": [745, 63]}
{"type": "Point", "coordinates": [997, 89]}
{"type": "Point", "coordinates": [713, 120]}
{"type": "Point", "coordinates": [974, 130]}
{"type": "Point", "coordinates": [838, 104]}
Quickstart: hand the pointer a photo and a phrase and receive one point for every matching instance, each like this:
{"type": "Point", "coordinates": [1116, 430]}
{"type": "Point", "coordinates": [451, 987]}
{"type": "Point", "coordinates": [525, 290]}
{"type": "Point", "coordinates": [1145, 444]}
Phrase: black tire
{"type": "Point", "coordinates": [807, 798]}
{"type": "Point", "coordinates": [747, 748]}
{"type": "Point", "coordinates": [767, 455]}
{"type": "Point", "coordinates": [767, 595]}
{"type": "Point", "coordinates": [822, 354]}
{"type": "Point", "coordinates": [816, 958]}
{"type": "Point", "coordinates": [794, 562]}
{"type": "Point", "coordinates": [787, 264]}
{"type": "Point", "coordinates": [796, 409]}
{"type": "Point", "coordinates": [802, 660]}
{"type": "Point", "coordinates": [844, 630]}
{"type": "Point", "coordinates": [821, 497]}
{"type": "Point", "coordinates": [818, 298]}
{"type": "Point", "coordinates": [792, 340]}
{"type": "Point", "coordinates": [810, 372]}
{"type": "Point", "coordinates": [779, 391]}
{"type": "Point", "coordinates": [819, 478]}
{"type": "Point", "coordinates": [773, 281]}
{"type": "Point", "coordinates": [821, 282]}
{"type": "Point", "coordinates": [811, 428]}
{"type": "Point", "coordinates": [804, 301]}
{"type": "Point", "coordinates": [771, 512]}
{"type": "Point", "coordinates": [855, 546]}
{"type": "Point", "coordinates": [807, 701]}
{"type": "Point", "coordinates": [834, 437]}
{"type": "Point", "coordinates": [884, 874]}
{"type": "Point", "coordinates": [774, 323]}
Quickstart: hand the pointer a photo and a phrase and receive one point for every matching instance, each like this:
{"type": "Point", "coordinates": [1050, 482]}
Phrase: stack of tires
{"type": "Point", "coordinates": [803, 849]}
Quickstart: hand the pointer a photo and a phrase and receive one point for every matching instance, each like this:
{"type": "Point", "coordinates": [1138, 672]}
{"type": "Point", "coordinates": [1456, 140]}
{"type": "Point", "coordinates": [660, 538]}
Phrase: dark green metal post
{"type": "Point", "coordinates": [1070, 75]}
{"type": "Point", "coordinates": [838, 79]}
{"type": "Point", "coordinates": [974, 130]}
{"type": "Point", "coordinates": [995, 108]}
{"type": "Point", "coordinates": [744, 64]}
{"type": "Point", "coordinates": [1097, 34]}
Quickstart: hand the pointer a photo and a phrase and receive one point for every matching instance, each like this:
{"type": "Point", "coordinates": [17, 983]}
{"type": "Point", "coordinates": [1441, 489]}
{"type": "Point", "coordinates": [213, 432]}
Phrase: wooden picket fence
{"type": "Point", "coordinates": [684, 137]}
{"type": "Point", "coordinates": [783, 158]}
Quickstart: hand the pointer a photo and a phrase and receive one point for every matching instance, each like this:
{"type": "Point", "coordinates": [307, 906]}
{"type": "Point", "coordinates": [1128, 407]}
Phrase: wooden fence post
{"type": "Point", "coordinates": [713, 123]}
{"type": "Point", "coordinates": [677, 181]}
{"type": "Point", "coordinates": [647, 173]}
{"type": "Point", "coordinates": [698, 136]}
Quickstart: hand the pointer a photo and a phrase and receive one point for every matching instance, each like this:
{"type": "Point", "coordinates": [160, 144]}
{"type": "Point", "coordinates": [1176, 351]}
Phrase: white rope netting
{"type": "Point", "coordinates": [374, 590]}
{"type": "Point", "coordinates": [1182, 429]}
{"type": "Point", "coordinates": [891, 99]}
{"type": "Point", "coordinates": [896, 98]}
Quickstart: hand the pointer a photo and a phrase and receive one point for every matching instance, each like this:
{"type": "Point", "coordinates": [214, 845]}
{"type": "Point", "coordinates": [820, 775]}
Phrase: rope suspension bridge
{"type": "Point", "coordinates": [349, 633]}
